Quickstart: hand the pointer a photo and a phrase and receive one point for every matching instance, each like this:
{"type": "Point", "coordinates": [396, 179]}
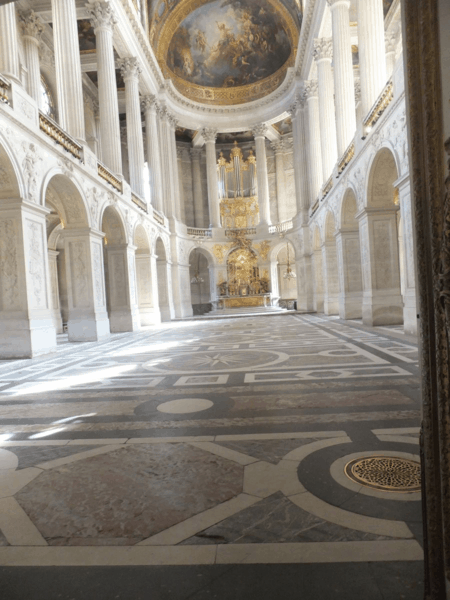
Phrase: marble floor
{"type": "Point", "coordinates": [205, 459]}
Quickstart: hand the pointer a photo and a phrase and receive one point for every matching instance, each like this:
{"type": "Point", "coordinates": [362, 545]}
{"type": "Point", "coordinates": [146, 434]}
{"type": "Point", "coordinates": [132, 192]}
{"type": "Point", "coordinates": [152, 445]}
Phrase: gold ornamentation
{"type": "Point", "coordinates": [247, 301]}
{"type": "Point", "coordinates": [219, 251]}
{"type": "Point", "coordinates": [263, 249]}
{"type": "Point", "coordinates": [380, 106]}
{"type": "Point", "coordinates": [139, 202]}
{"type": "Point", "coordinates": [346, 158]}
{"type": "Point", "coordinates": [239, 212]}
{"type": "Point", "coordinates": [396, 197]}
{"type": "Point", "coordinates": [221, 95]}
{"type": "Point", "coordinates": [53, 130]}
{"type": "Point", "coordinates": [391, 474]}
{"type": "Point", "coordinates": [108, 176]}
{"type": "Point", "coordinates": [328, 186]}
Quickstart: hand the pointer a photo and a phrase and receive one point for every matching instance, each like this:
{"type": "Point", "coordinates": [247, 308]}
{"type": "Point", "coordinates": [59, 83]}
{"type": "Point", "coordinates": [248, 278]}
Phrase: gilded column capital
{"type": "Point", "coordinates": [209, 134]}
{"type": "Point", "coordinates": [323, 49]}
{"type": "Point", "coordinates": [311, 89]}
{"type": "Point", "coordinates": [130, 68]}
{"type": "Point", "coordinates": [31, 25]}
{"type": "Point", "coordinates": [149, 103]}
{"type": "Point", "coordinates": [101, 15]}
{"type": "Point", "coordinates": [259, 130]}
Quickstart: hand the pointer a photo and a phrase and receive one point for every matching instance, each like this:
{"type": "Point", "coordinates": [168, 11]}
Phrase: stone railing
{"type": "Point", "coordinates": [281, 227]}
{"type": "Point", "coordinates": [53, 130]}
{"type": "Point", "coordinates": [198, 232]}
{"type": "Point", "coordinates": [327, 187]}
{"type": "Point", "coordinates": [160, 218]}
{"type": "Point", "coordinates": [109, 176]}
{"type": "Point", "coordinates": [5, 87]}
{"type": "Point", "coordinates": [346, 158]}
{"type": "Point", "coordinates": [314, 207]}
{"type": "Point", "coordinates": [243, 231]}
{"type": "Point", "coordinates": [139, 202]}
{"type": "Point", "coordinates": [379, 107]}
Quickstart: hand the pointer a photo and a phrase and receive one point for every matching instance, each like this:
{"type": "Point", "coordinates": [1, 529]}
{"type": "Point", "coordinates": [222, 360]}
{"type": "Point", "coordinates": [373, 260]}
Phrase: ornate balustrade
{"type": "Point", "coordinates": [327, 187]}
{"type": "Point", "coordinates": [53, 130]}
{"type": "Point", "coordinates": [281, 227]}
{"type": "Point", "coordinates": [314, 207]}
{"type": "Point", "coordinates": [199, 232]}
{"type": "Point", "coordinates": [160, 218]}
{"type": "Point", "coordinates": [244, 231]}
{"type": "Point", "coordinates": [5, 87]}
{"type": "Point", "coordinates": [346, 158]}
{"type": "Point", "coordinates": [379, 107]}
{"type": "Point", "coordinates": [139, 202]}
{"type": "Point", "coordinates": [109, 176]}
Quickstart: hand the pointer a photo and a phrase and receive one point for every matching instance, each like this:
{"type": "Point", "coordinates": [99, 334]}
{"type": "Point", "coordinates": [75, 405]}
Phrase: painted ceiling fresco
{"type": "Point", "coordinates": [225, 51]}
{"type": "Point", "coordinates": [228, 43]}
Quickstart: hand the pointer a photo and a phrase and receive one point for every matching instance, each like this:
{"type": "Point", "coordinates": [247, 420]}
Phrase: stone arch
{"type": "Point", "coordinates": [147, 293]}
{"type": "Point", "coordinates": [317, 269]}
{"type": "Point", "coordinates": [349, 208]}
{"type": "Point", "coordinates": [11, 180]}
{"type": "Point", "coordinates": [287, 286]}
{"type": "Point", "coordinates": [66, 197]}
{"type": "Point", "coordinates": [113, 225]}
{"type": "Point", "coordinates": [164, 280]}
{"type": "Point", "coordinates": [382, 299]}
{"type": "Point", "coordinates": [202, 280]}
{"type": "Point", "coordinates": [330, 266]}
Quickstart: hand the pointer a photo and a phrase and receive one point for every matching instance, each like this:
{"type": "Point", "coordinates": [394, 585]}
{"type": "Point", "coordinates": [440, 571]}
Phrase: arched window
{"type": "Point", "coordinates": [48, 102]}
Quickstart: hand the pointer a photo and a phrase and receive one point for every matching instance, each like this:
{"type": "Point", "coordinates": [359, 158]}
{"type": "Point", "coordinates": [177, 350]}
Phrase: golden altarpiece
{"type": "Point", "coordinates": [239, 211]}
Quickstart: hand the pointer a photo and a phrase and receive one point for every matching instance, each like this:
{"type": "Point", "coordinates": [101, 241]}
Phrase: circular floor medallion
{"type": "Point", "coordinates": [387, 473]}
{"type": "Point", "coordinates": [185, 405]}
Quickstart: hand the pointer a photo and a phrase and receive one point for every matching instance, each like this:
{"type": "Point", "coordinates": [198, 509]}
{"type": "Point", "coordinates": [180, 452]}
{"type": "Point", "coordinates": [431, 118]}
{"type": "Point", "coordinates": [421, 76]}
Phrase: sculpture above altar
{"type": "Point", "coordinates": [237, 189]}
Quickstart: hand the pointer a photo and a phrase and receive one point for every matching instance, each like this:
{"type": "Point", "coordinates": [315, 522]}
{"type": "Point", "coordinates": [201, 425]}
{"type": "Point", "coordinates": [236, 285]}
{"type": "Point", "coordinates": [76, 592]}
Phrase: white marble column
{"type": "Point", "coordinates": [317, 268]}
{"type": "Point", "coordinates": [350, 276]}
{"type": "Point", "coordinates": [166, 162]}
{"type": "Point", "coordinates": [103, 20]}
{"type": "Point", "coordinates": [372, 58]}
{"type": "Point", "coordinates": [315, 150]}
{"type": "Point", "coordinates": [280, 179]}
{"type": "Point", "coordinates": [149, 105]}
{"type": "Point", "coordinates": [391, 38]}
{"type": "Point", "coordinates": [300, 159]}
{"type": "Point", "coordinates": [323, 52]}
{"type": "Point", "coordinates": [196, 154]}
{"type": "Point", "coordinates": [171, 128]}
{"type": "Point", "coordinates": [68, 68]}
{"type": "Point", "coordinates": [98, 133]}
{"type": "Point", "coordinates": [259, 133]}
{"type": "Point", "coordinates": [32, 28]}
{"type": "Point", "coordinates": [180, 156]}
{"type": "Point", "coordinates": [209, 136]}
{"type": "Point", "coordinates": [409, 293]}
{"type": "Point", "coordinates": [343, 74]}
{"type": "Point", "coordinates": [9, 49]}
{"type": "Point", "coordinates": [130, 70]}
{"type": "Point", "coordinates": [87, 313]}
{"type": "Point", "coordinates": [382, 298]}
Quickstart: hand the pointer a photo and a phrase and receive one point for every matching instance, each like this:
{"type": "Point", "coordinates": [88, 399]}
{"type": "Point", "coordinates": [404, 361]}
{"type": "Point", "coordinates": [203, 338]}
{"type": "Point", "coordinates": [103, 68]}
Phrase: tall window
{"type": "Point", "coordinates": [48, 102]}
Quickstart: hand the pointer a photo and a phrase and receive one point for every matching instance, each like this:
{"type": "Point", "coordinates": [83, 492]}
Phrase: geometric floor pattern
{"type": "Point", "coordinates": [211, 451]}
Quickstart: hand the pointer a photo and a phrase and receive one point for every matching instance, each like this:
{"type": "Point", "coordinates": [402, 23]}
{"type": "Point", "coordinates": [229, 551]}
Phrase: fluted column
{"type": "Point", "coordinates": [153, 151]}
{"type": "Point", "coordinates": [103, 20]}
{"type": "Point", "coordinates": [68, 68]}
{"type": "Point", "coordinates": [315, 152]}
{"type": "Point", "coordinates": [259, 133]}
{"type": "Point", "coordinates": [166, 163]}
{"type": "Point", "coordinates": [130, 70]}
{"type": "Point", "coordinates": [171, 127]}
{"type": "Point", "coordinates": [372, 59]}
{"type": "Point", "coordinates": [343, 74]}
{"type": "Point", "coordinates": [196, 154]}
{"type": "Point", "coordinates": [209, 136]}
{"type": "Point", "coordinates": [300, 157]}
{"type": "Point", "coordinates": [323, 52]}
{"type": "Point", "coordinates": [390, 45]}
{"type": "Point", "coordinates": [9, 51]}
{"type": "Point", "coordinates": [278, 148]}
{"type": "Point", "coordinates": [32, 28]}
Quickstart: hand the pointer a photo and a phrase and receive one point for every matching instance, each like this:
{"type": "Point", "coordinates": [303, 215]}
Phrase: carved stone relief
{"type": "Point", "coordinates": [30, 167]}
{"type": "Point", "coordinates": [79, 272]}
{"type": "Point", "coordinates": [97, 264]}
{"type": "Point", "coordinates": [36, 265]}
{"type": "Point", "coordinates": [8, 264]}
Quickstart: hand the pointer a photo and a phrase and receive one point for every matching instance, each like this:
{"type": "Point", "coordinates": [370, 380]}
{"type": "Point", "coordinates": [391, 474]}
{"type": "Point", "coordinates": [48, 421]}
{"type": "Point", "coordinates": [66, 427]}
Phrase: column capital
{"type": "Point", "coordinates": [173, 122]}
{"type": "Point", "coordinates": [259, 130]}
{"type": "Point", "coordinates": [102, 15]}
{"type": "Point", "coordinates": [334, 3]}
{"type": "Point", "coordinates": [323, 49]}
{"type": "Point", "coordinates": [390, 39]}
{"type": "Point", "coordinates": [311, 89]}
{"type": "Point", "coordinates": [130, 68]}
{"type": "Point", "coordinates": [209, 134]}
{"type": "Point", "coordinates": [149, 103]}
{"type": "Point", "coordinates": [278, 146]}
{"type": "Point", "coordinates": [31, 25]}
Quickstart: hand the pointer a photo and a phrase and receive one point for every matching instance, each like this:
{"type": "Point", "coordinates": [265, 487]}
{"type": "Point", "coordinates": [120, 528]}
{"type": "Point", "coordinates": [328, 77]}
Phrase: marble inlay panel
{"type": "Point", "coordinates": [276, 519]}
{"type": "Point", "coordinates": [269, 450]}
{"type": "Point", "coordinates": [127, 495]}
{"type": "Point", "coordinates": [30, 456]}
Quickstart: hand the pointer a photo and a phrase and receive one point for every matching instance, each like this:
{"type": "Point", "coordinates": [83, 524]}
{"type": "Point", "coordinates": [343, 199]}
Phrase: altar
{"type": "Point", "coordinates": [244, 301]}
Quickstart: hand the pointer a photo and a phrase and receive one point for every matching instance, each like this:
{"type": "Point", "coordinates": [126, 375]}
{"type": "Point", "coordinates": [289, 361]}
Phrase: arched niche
{"type": "Point", "coordinates": [317, 269]}
{"type": "Point", "coordinates": [330, 267]}
{"type": "Point", "coordinates": [164, 281]}
{"type": "Point", "coordinates": [145, 278]}
{"type": "Point", "coordinates": [287, 284]}
{"type": "Point", "coordinates": [200, 264]}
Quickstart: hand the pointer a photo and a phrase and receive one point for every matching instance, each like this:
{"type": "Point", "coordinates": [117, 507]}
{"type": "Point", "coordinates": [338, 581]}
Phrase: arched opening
{"type": "Point", "coordinates": [75, 257]}
{"type": "Point", "coordinates": [120, 274]}
{"type": "Point", "coordinates": [163, 275]}
{"type": "Point", "coordinates": [317, 271]}
{"type": "Point", "coordinates": [349, 260]}
{"type": "Point", "coordinates": [287, 276]}
{"type": "Point", "coordinates": [200, 281]}
{"type": "Point", "coordinates": [330, 267]}
{"type": "Point", "coordinates": [146, 279]}
{"type": "Point", "coordinates": [382, 299]}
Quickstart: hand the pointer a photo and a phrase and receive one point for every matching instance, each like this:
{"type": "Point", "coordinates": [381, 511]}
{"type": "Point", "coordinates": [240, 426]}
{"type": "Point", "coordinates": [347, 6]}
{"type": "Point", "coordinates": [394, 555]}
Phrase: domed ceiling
{"type": "Point", "coordinates": [225, 51]}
